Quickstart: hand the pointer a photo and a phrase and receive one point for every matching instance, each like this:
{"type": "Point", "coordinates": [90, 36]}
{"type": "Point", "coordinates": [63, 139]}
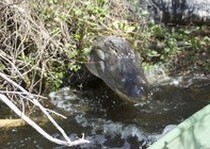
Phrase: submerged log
{"type": "Point", "coordinates": [11, 123]}
{"type": "Point", "coordinates": [178, 11]}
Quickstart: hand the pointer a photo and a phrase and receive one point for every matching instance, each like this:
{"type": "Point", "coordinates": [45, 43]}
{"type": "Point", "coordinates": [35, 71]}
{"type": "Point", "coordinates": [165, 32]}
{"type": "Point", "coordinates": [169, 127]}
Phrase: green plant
{"type": "Point", "coordinates": [45, 38]}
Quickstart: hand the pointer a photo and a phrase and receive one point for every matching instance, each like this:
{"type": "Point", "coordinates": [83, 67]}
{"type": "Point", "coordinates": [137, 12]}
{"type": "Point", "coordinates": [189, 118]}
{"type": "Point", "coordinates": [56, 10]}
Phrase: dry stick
{"type": "Point", "coordinates": [39, 96]}
{"type": "Point", "coordinates": [20, 93]}
{"type": "Point", "coordinates": [29, 121]}
{"type": "Point", "coordinates": [36, 103]}
{"type": "Point", "coordinates": [13, 66]}
{"type": "Point", "coordinates": [68, 142]}
{"type": "Point", "coordinates": [58, 114]}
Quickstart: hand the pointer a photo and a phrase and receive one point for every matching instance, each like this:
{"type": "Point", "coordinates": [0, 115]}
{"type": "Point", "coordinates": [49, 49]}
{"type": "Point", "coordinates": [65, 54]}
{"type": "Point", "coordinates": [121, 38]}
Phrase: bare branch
{"type": "Point", "coordinates": [51, 111]}
{"type": "Point", "coordinates": [29, 121]}
{"type": "Point", "coordinates": [21, 31]}
{"type": "Point", "coordinates": [32, 98]}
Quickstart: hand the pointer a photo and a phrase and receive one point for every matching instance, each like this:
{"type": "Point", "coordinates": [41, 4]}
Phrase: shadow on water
{"type": "Point", "coordinates": [110, 123]}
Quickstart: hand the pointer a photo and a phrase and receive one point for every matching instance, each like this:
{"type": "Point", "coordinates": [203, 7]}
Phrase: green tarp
{"type": "Point", "coordinates": [193, 133]}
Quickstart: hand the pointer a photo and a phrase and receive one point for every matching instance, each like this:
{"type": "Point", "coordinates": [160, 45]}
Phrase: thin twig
{"type": "Point", "coordinates": [56, 113]}
{"type": "Point", "coordinates": [16, 92]}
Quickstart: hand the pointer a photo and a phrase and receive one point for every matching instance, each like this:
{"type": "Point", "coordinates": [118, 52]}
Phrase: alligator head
{"type": "Point", "coordinates": [114, 61]}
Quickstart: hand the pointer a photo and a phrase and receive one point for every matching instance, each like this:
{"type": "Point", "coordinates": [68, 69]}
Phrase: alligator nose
{"type": "Point", "coordinates": [137, 91]}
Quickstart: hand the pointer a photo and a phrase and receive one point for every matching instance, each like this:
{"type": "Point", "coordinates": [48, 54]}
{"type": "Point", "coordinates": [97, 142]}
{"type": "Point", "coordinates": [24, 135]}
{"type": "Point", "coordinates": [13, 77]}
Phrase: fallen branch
{"type": "Point", "coordinates": [22, 115]}
{"type": "Point", "coordinates": [26, 27]}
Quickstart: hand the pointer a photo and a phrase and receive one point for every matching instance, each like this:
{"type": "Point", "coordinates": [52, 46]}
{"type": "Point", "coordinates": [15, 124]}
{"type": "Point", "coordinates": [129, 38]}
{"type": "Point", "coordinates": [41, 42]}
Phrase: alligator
{"type": "Point", "coordinates": [178, 11]}
{"type": "Point", "coordinates": [113, 60]}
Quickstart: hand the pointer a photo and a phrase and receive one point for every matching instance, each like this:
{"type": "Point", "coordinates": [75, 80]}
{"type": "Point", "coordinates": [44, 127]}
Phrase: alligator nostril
{"type": "Point", "coordinates": [136, 91]}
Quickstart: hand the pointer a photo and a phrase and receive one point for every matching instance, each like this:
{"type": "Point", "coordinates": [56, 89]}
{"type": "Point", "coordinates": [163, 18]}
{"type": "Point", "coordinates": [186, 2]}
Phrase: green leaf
{"type": "Point", "coordinates": [153, 54]}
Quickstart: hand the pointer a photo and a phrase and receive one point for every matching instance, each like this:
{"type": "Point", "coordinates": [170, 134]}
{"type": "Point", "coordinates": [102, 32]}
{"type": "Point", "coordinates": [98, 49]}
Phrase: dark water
{"type": "Point", "coordinates": [110, 123]}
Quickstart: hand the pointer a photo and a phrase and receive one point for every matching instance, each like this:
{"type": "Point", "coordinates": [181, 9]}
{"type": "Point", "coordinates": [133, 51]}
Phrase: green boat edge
{"type": "Point", "coordinates": [193, 133]}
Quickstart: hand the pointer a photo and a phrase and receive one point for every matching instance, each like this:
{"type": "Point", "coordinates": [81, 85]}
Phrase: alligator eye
{"type": "Point", "coordinates": [101, 54]}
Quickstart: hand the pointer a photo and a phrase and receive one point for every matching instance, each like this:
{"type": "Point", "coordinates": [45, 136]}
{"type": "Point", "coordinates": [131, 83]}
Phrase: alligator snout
{"type": "Point", "coordinates": [134, 85]}
{"type": "Point", "coordinates": [114, 61]}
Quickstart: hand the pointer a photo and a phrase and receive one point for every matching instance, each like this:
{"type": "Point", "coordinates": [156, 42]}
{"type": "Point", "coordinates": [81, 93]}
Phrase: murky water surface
{"type": "Point", "coordinates": [110, 123]}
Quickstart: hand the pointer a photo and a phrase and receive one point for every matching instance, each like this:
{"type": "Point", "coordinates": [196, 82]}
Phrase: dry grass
{"type": "Point", "coordinates": [40, 39]}
{"type": "Point", "coordinates": [25, 46]}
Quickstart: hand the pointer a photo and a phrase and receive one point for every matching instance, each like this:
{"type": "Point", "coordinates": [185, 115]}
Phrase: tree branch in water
{"type": "Point", "coordinates": [30, 97]}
